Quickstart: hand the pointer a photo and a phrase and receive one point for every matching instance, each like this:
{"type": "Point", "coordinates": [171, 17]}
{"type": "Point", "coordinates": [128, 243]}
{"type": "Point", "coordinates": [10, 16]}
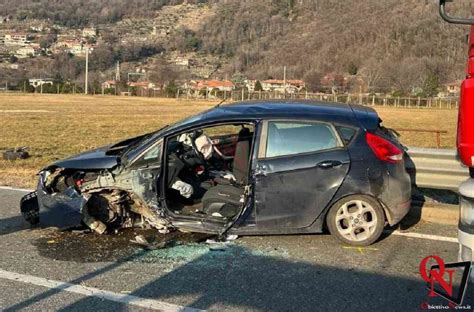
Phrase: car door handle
{"type": "Point", "coordinates": [329, 164]}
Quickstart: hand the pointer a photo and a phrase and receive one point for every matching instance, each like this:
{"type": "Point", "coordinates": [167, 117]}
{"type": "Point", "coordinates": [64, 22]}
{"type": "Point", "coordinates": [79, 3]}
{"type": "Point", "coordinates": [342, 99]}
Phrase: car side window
{"type": "Point", "coordinates": [347, 134]}
{"type": "Point", "coordinates": [151, 157]}
{"type": "Point", "coordinates": [293, 137]}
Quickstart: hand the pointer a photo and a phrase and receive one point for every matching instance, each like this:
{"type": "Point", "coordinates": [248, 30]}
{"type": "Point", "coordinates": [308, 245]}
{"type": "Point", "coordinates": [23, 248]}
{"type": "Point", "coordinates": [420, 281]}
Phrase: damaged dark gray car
{"type": "Point", "coordinates": [248, 168]}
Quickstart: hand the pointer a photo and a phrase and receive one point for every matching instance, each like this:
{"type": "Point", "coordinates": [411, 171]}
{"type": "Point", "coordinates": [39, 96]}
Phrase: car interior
{"type": "Point", "coordinates": [207, 170]}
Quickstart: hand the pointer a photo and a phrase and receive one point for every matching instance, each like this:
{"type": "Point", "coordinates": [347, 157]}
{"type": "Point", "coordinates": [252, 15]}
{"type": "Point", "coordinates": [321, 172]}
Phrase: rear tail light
{"type": "Point", "coordinates": [384, 149]}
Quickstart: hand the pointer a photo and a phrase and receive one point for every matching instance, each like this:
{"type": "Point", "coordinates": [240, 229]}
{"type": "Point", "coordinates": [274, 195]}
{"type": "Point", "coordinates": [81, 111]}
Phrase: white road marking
{"type": "Point", "coordinates": [95, 292]}
{"type": "Point", "coordinates": [426, 236]}
{"type": "Point", "coordinates": [9, 188]}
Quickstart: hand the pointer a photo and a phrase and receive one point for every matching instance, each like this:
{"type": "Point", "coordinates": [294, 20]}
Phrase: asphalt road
{"type": "Point", "coordinates": [45, 269]}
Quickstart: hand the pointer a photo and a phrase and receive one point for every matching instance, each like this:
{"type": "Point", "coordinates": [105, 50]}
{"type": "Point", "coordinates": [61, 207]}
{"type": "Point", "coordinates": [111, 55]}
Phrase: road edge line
{"type": "Point", "coordinates": [95, 292]}
{"type": "Point", "coordinates": [425, 236]}
{"type": "Point", "coordinates": [10, 188]}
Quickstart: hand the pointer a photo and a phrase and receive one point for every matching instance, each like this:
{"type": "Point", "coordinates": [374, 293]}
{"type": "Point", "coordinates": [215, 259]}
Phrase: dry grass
{"type": "Point", "coordinates": [430, 119]}
{"type": "Point", "coordinates": [57, 126]}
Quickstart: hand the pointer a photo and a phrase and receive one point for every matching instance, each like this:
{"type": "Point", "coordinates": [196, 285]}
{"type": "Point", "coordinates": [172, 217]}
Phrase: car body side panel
{"type": "Point", "coordinates": [388, 183]}
{"type": "Point", "coordinates": [295, 190]}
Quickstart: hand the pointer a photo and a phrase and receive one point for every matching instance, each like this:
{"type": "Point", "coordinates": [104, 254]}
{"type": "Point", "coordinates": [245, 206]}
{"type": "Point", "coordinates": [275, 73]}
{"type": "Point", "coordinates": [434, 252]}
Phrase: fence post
{"type": "Point", "coordinates": [438, 139]}
{"type": "Point", "coordinates": [373, 100]}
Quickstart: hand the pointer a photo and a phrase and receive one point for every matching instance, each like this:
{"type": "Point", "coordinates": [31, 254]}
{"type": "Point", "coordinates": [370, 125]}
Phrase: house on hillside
{"type": "Point", "coordinates": [282, 86]}
{"type": "Point", "coordinates": [335, 83]}
{"type": "Point", "coordinates": [144, 85]}
{"type": "Point", "coordinates": [73, 46]}
{"type": "Point", "coordinates": [39, 82]}
{"type": "Point", "coordinates": [16, 39]}
{"type": "Point", "coordinates": [181, 61]}
{"type": "Point", "coordinates": [109, 84]}
{"type": "Point", "coordinates": [250, 84]}
{"type": "Point", "coordinates": [89, 33]}
{"type": "Point", "coordinates": [80, 49]}
{"type": "Point", "coordinates": [24, 52]}
{"type": "Point", "coordinates": [210, 85]}
{"type": "Point", "coordinates": [451, 88]}
{"type": "Point", "coordinates": [196, 87]}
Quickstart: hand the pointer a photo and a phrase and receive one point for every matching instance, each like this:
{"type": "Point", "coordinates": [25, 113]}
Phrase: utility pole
{"type": "Point", "coordinates": [86, 83]}
{"type": "Point", "coordinates": [117, 72]}
{"type": "Point", "coordinates": [284, 81]}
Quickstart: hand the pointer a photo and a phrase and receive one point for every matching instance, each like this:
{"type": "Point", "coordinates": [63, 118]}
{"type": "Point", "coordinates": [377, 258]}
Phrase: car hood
{"type": "Point", "coordinates": [93, 159]}
{"type": "Point", "coordinates": [105, 157]}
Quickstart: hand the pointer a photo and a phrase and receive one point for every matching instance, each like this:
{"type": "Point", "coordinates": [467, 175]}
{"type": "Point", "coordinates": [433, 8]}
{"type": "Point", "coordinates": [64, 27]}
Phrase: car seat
{"type": "Point", "coordinates": [224, 199]}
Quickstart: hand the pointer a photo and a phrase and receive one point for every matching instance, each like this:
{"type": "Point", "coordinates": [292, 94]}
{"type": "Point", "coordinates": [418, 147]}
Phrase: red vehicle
{"type": "Point", "coordinates": [465, 144]}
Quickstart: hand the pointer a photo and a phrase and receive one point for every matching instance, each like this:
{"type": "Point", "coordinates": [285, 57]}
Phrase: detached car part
{"type": "Point", "coordinates": [16, 153]}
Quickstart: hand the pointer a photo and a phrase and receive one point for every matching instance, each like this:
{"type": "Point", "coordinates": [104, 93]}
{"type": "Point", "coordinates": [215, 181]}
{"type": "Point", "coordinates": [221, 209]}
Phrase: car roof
{"type": "Point", "coordinates": [247, 111]}
{"type": "Point", "coordinates": [342, 113]}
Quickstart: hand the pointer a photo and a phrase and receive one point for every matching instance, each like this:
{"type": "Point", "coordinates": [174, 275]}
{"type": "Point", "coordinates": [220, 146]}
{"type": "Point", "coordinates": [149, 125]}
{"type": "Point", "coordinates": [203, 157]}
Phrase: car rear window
{"type": "Point", "coordinates": [290, 138]}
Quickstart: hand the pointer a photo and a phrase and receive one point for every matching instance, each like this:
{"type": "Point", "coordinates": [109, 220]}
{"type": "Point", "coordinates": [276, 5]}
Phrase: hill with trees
{"type": "Point", "coordinates": [392, 45]}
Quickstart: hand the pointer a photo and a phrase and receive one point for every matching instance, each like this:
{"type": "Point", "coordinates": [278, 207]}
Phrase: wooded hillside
{"type": "Point", "coordinates": [390, 44]}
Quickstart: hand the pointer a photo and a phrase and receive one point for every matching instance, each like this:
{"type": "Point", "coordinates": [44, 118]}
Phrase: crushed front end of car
{"type": "Point", "coordinates": [103, 200]}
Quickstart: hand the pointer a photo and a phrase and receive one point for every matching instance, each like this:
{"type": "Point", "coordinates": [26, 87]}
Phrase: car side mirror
{"type": "Point", "coordinates": [451, 19]}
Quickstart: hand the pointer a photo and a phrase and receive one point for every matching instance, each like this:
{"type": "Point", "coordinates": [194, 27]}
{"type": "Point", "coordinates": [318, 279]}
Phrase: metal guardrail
{"type": "Point", "coordinates": [436, 168]}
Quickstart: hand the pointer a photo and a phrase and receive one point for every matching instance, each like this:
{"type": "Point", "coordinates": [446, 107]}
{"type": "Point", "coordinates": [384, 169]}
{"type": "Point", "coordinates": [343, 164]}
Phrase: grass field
{"type": "Point", "coordinates": [58, 126]}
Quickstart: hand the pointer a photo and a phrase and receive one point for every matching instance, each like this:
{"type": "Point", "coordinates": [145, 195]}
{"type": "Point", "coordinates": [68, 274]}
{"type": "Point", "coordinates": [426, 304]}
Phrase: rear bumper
{"type": "Point", "coordinates": [396, 195]}
{"type": "Point", "coordinates": [466, 248]}
{"type": "Point", "coordinates": [398, 212]}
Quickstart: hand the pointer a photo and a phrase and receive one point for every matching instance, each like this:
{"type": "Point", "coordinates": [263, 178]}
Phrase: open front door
{"type": "Point", "coordinates": [300, 167]}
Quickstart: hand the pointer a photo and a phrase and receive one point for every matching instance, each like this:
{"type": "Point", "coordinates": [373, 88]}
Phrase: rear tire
{"type": "Point", "coordinates": [356, 220]}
